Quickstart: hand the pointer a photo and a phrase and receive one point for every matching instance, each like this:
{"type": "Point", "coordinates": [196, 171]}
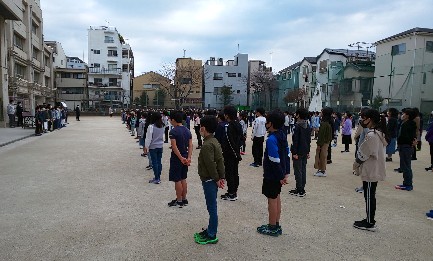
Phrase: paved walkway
{"type": "Point", "coordinates": [82, 194]}
{"type": "Point", "coordinates": [10, 135]}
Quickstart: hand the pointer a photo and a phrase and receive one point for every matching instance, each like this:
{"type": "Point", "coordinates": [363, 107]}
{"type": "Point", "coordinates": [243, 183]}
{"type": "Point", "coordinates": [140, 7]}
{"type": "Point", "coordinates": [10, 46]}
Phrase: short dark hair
{"type": "Point", "coordinates": [303, 113]}
{"type": "Point", "coordinates": [276, 118]}
{"type": "Point", "coordinates": [177, 116]}
{"type": "Point", "coordinates": [209, 122]}
{"type": "Point", "coordinates": [261, 111]}
{"type": "Point", "coordinates": [409, 112]}
{"type": "Point", "coordinates": [230, 111]}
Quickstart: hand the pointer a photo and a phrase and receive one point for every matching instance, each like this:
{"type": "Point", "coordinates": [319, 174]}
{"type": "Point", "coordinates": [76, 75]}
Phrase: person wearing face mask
{"type": "Point", "coordinates": [370, 164]}
{"type": "Point", "coordinates": [230, 146]}
{"type": "Point", "coordinates": [405, 141]}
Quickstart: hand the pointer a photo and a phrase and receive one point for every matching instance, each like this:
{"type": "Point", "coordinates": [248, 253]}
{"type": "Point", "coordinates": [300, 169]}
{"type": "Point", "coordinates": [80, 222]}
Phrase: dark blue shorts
{"type": "Point", "coordinates": [177, 171]}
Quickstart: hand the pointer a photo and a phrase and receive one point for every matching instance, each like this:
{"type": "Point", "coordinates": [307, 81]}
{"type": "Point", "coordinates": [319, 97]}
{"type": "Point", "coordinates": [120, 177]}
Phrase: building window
{"type": "Point", "coordinates": [424, 78]}
{"type": "Point", "coordinates": [186, 81]}
{"type": "Point", "coordinates": [238, 91]}
{"type": "Point", "coordinates": [124, 68]}
{"type": "Point", "coordinates": [239, 75]}
{"type": "Point", "coordinates": [36, 77]}
{"type": "Point", "coordinates": [35, 53]}
{"type": "Point", "coordinates": [112, 67]}
{"type": "Point", "coordinates": [151, 86]}
{"type": "Point", "coordinates": [398, 49]}
{"type": "Point", "coordinates": [109, 39]}
{"type": "Point", "coordinates": [66, 75]}
{"type": "Point", "coordinates": [112, 82]}
{"type": "Point", "coordinates": [18, 41]}
{"type": "Point", "coordinates": [112, 53]}
{"type": "Point", "coordinates": [96, 51]}
{"type": "Point", "coordinates": [429, 46]}
{"type": "Point", "coordinates": [96, 65]}
{"type": "Point", "coordinates": [47, 81]}
{"type": "Point", "coordinates": [20, 71]}
{"type": "Point", "coordinates": [47, 59]}
{"type": "Point", "coordinates": [98, 81]}
{"type": "Point", "coordinates": [34, 28]}
{"type": "Point", "coordinates": [217, 76]}
{"type": "Point", "coordinates": [231, 74]}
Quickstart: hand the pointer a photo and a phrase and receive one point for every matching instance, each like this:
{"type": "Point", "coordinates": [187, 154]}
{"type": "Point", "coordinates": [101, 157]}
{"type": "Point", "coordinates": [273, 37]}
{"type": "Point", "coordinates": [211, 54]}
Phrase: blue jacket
{"type": "Point", "coordinates": [276, 162]}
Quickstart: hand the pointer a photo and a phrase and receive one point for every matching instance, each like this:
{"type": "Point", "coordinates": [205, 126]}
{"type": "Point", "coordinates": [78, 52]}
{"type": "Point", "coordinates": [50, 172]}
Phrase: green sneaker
{"type": "Point", "coordinates": [206, 240]}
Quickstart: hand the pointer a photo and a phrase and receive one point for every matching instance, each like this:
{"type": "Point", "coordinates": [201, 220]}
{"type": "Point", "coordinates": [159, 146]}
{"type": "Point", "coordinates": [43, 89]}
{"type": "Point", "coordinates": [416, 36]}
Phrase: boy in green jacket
{"type": "Point", "coordinates": [211, 172]}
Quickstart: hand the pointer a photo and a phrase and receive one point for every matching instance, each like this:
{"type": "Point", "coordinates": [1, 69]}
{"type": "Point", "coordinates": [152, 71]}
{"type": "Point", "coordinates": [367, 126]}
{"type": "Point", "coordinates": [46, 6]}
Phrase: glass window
{"type": "Point", "coordinates": [19, 71]}
{"type": "Point", "coordinates": [239, 75]}
{"type": "Point", "coordinates": [36, 77]}
{"type": "Point", "coordinates": [231, 74]}
{"type": "Point", "coordinates": [429, 46]}
{"type": "Point", "coordinates": [96, 51]}
{"type": "Point", "coordinates": [109, 39]}
{"type": "Point", "coordinates": [217, 76]}
{"type": "Point", "coordinates": [34, 28]}
{"type": "Point", "coordinates": [18, 41]}
{"type": "Point", "coordinates": [398, 49]}
{"type": "Point", "coordinates": [112, 53]}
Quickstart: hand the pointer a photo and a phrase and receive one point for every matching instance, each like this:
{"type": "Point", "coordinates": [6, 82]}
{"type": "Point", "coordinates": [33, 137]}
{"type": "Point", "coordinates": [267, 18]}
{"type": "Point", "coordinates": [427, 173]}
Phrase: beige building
{"type": "Point", "coordinates": [404, 70]}
{"type": "Point", "coordinates": [188, 83]}
{"type": "Point", "coordinates": [29, 75]}
{"type": "Point", "coordinates": [155, 87]}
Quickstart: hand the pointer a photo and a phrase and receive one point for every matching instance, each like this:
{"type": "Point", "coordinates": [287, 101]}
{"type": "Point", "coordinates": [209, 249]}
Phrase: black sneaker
{"type": "Point", "coordinates": [149, 167]}
{"type": "Point", "coordinates": [293, 192]}
{"type": "Point", "coordinates": [398, 170]}
{"type": "Point", "coordinates": [301, 194]}
{"type": "Point", "coordinates": [185, 202]}
{"type": "Point", "coordinates": [233, 197]}
{"type": "Point", "coordinates": [388, 159]}
{"type": "Point", "coordinates": [429, 168]}
{"type": "Point", "coordinates": [175, 203]}
{"type": "Point", "coordinates": [364, 225]}
{"type": "Point", "coordinates": [329, 162]}
{"type": "Point", "coordinates": [225, 196]}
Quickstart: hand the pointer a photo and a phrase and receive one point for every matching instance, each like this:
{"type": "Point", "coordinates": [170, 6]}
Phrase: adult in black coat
{"type": "Point", "coordinates": [77, 112]}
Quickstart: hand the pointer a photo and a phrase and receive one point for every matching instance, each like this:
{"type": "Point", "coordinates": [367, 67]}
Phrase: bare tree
{"type": "Point", "coordinates": [295, 96]}
{"type": "Point", "coordinates": [264, 82]}
{"type": "Point", "coordinates": [183, 76]}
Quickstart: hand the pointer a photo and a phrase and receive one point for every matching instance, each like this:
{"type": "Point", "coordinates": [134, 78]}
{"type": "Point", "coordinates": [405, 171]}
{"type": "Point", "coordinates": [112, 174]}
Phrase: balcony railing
{"type": "Point", "coordinates": [105, 71]}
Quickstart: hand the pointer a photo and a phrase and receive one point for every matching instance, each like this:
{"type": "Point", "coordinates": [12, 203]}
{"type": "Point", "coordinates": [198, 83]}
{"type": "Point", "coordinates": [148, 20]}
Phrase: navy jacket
{"type": "Point", "coordinates": [276, 162]}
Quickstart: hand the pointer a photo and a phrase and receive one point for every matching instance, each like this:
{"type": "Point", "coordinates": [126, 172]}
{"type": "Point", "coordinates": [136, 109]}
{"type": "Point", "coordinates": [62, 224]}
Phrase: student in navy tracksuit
{"type": "Point", "coordinates": [276, 167]}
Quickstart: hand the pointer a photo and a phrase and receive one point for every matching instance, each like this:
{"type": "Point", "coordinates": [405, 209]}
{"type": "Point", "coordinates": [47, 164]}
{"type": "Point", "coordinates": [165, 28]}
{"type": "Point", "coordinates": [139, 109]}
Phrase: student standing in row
{"type": "Point", "coordinates": [276, 170]}
{"type": "Point", "coordinates": [154, 143]}
{"type": "Point", "coordinates": [347, 132]}
{"type": "Point", "coordinates": [258, 137]}
{"type": "Point", "coordinates": [197, 117]}
{"type": "Point", "coordinates": [323, 141]}
{"type": "Point", "coordinates": [300, 150]}
{"type": "Point", "coordinates": [370, 160]}
{"type": "Point", "coordinates": [231, 153]}
{"type": "Point", "coordinates": [181, 144]}
{"type": "Point", "coordinates": [211, 172]}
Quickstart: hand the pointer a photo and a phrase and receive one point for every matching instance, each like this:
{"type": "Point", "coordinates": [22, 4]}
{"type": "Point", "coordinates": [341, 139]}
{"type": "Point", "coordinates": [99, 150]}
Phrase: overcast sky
{"type": "Point", "coordinates": [278, 32]}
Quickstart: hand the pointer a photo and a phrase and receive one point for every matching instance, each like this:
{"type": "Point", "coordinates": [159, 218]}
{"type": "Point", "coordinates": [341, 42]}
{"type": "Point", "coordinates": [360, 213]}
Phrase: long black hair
{"type": "Point", "coordinates": [157, 120]}
{"type": "Point", "coordinates": [379, 122]}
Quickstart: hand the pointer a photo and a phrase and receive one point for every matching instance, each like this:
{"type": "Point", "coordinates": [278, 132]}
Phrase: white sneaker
{"type": "Point", "coordinates": [141, 147]}
{"type": "Point", "coordinates": [320, 174]}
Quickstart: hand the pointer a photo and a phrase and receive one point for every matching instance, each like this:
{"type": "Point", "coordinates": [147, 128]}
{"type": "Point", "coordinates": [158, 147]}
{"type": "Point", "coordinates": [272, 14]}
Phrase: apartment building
{"type": "Point", "coordinates": [404, 70]}
{"type": "Point", "coordinates": [330, 71]}
{"type": "Point", "coordinates": [71, 83]}
{"type": "Point", "coordinates": [111, 68]}
{"type": "Point", "coordinates": [226, 83]}
{"type": "Point", "coordinates": [29, 67]}
{"type": "Point", "coordinates": [188, 83]}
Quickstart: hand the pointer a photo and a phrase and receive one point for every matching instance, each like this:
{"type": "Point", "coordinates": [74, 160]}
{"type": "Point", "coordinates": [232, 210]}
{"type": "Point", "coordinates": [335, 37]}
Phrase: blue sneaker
{"type": "Point", "coordinates": [429, 215]}
{"type": "Point", "coordinates": [403, 187]}
{"type": "Point", "coordinates": [254, 165]}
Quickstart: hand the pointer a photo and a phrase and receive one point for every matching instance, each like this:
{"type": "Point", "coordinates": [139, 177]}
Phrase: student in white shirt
{"type": "Point", "coordinates": [258, 137]}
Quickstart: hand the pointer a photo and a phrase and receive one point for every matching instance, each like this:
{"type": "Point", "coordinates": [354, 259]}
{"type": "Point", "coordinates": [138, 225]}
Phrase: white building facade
{"type": "Point", "coordinates": [404, 70]}
{"type": "Point", "coordinates": [111, 67]}
{"type": "Point", "coordinates": [232, 75]}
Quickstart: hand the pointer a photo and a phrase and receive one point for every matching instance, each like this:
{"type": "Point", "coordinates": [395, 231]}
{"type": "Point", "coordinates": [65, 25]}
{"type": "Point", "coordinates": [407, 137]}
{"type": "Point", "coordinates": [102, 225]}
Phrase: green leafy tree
{"type": "Point", "coordinates": [226, 95]}
{"type": "Point", "coordinates": [159, 97]}
{"type": "Point", "coordinates": [144, 99]}
{"type": "Point", "coordinates": [377, 102]}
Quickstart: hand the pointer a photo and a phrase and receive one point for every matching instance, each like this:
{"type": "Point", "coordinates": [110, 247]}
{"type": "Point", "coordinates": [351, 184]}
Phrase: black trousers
{"type": "Point", "coordinates": [231, 165]}
{"type": "Point", "coordinates": [329, 153]}
{"type": "Point", "coordinates": [166, 134]}
{"type": "Point", "coordinates": [370, 200]}
{"type": "Point", "coordinates": [258, 150]}
{"type": "Point", "coordinates": [431, 153]}
{"type": "Point", "coordinates": [38, 129]}
{"type": "Point", "coordinates": [300, 170]}
{"type": "Point", "coordinates": [197, 132]}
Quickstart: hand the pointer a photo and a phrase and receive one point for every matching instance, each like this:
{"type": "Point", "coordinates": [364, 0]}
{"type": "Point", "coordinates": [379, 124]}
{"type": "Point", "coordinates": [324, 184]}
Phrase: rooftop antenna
{"type": "Point", "coordinates": [271, 59]}
{"type": "Point", "coordinates": [184, 53]}
{"type": "Point", "coordinates": [238, 48]}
